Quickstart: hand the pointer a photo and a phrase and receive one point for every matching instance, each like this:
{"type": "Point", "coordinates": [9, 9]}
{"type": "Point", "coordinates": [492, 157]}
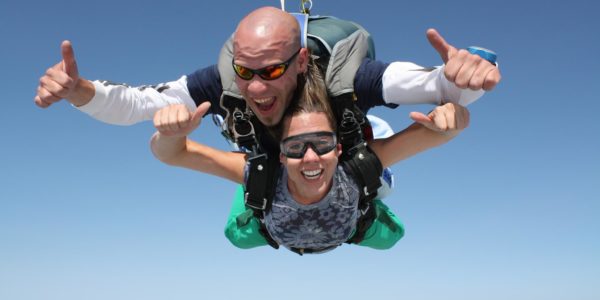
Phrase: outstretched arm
{"type": "Point", "coordinates": [62, 81]}
{"type": "Point", "coordinates": [462, 79]}
{"type": "Point", "coordinates": [464, 69]}
{"type": "Point", "coordinates": [438, 127]}
{"type": "Point", "coordinates": [171, 145]}
{"type": "Point", "coordinates": [105, 101]}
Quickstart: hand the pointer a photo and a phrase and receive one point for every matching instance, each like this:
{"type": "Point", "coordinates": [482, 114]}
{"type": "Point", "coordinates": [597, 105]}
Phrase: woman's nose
{"type": "Point", "coordinates": [310, 155]}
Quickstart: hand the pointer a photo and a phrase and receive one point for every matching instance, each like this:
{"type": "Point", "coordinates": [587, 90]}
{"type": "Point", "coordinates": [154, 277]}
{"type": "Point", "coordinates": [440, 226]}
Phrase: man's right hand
{"type": "Point", "coordinates": [62, 82]}
{"type": "Point", "coordinates": [177, 121]}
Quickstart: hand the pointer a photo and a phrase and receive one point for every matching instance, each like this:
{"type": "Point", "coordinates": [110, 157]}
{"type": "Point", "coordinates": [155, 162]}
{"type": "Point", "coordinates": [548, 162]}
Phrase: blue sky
{"type": "Point", "coordinates": [508, 210]}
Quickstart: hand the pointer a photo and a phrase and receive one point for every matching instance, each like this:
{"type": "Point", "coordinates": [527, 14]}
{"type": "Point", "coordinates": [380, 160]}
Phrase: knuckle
{"type": "Point", "coordinates": [474, 58]}
{"type": "Point", "coordinates": [462, 53]}
{"type": "Point", "coordinates": [450, 74]}
{"type": "Point", "coordinates": [475, 85]}
{"type": "Point", "coordinates": [461, 83]}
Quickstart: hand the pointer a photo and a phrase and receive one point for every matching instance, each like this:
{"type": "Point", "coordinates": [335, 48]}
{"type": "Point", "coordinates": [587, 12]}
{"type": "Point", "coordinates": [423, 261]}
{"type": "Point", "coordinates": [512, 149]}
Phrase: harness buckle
{"type": "Point", "coordinates": [253, 203]}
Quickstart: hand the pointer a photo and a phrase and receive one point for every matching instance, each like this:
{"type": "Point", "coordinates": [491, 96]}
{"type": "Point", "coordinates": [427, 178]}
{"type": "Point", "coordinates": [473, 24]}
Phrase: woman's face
{"type": "Point", "coordinates": [310, 176]}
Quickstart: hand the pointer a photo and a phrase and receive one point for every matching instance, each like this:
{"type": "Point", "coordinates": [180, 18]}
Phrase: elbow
{"type": "Point", "coordinates": [161, 152]}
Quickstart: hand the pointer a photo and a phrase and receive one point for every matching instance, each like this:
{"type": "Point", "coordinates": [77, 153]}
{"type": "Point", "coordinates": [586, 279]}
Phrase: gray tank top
{"type": "Point", "coordinates": [327, 223]}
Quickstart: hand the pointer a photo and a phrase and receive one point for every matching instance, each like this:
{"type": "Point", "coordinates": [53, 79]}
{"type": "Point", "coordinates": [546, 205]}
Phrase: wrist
{"type": "Point", "coordinates": [82, 93]}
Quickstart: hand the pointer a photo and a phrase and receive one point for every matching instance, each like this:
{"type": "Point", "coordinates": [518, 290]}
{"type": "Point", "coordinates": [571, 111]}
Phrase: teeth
{"type": "Point", "coordinates": [312, 174]}
{"type": "Point", "coordinates": [262, 100]}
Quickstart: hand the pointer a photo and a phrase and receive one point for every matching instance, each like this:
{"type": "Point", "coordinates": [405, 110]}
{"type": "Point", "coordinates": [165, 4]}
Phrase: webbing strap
{"type": "Point", "coordinates": [358, 159]}
{"type": "Point", "coordinates": [366, 168]}
{"type": "Point", "coordinates": [260, 186]}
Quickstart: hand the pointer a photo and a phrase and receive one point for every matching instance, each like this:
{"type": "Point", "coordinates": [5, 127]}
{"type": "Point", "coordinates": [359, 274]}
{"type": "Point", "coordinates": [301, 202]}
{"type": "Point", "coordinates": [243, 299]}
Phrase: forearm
{"type": "Point", "coordinates": [408, 83]}
{"type": "Point", "coordinates": [414, 139]}
{"type": "Point", "coordinates": [120, 104]}
{"type": "Point", "coordinates": [167, 148]}
{"type": "Point", "coordinates": [83, 92]}
{"type": "Point", "coordinates": [182, 152]}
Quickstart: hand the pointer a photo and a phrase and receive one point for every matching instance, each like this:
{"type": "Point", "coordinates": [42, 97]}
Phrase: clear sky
{"type": "Point", "coordinates": [508, 210]}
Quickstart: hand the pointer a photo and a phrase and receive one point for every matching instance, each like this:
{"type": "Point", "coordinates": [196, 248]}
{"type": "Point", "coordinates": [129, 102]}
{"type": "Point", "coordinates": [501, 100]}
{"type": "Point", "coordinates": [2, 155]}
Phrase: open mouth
{"type": "Point", "coordinates": [312, 174]}
{"type": "Point", "coordinates": [264, 105]}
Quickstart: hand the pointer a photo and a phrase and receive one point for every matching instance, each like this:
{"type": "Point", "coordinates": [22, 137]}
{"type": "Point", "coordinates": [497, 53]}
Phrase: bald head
{"type": "Point", "coordinates": [270, 27]}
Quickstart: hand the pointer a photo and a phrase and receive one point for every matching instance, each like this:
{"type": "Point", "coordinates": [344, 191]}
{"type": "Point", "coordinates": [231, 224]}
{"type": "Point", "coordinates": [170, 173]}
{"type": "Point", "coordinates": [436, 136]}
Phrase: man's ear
{"type": "Point", "coordinates": [303, 60]}
{"type": "Point", "coordinates": [338, 150]}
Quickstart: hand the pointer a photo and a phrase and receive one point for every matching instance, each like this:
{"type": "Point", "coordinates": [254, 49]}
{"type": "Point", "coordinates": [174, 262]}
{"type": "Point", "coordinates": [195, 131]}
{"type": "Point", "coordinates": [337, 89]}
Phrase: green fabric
{"type": "Point", "coordinates": [245, 236]}
{"type": "Point", "coordinates": [386, 230]}
{"type": "Point", "coordinates": [242, 229]}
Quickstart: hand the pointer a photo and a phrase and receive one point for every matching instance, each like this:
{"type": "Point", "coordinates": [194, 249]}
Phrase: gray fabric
{"type": "Point", "coordinates": [346, 57]}
{"type": "Point", "coordinates": [329, 222]}
{"type": "Point", "coordinates": [226, 70]}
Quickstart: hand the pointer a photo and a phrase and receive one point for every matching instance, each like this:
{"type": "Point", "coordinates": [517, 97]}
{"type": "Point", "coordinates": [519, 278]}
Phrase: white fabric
{"type": "Point", "coordinates": [124, 105]}
{"type": "Point", "coordinates": [408, 83]}
{"type": "Point", "coordinates": [381, 130]}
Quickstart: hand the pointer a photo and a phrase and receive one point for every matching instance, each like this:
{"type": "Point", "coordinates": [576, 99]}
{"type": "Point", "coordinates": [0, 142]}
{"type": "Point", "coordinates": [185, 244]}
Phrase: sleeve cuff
{"type": "Point", "coordinates": [97, 102]}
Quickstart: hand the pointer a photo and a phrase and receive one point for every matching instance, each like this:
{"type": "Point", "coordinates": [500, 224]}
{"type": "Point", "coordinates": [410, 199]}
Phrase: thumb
{"type": "Point", "coordinates": [69, 63]}
{"type": "Point", "coordinates": [445, 50]}
{"type": "Point", "coordinates": [199, 113]}
{"type": "Point", "coordinates": [421, 119]}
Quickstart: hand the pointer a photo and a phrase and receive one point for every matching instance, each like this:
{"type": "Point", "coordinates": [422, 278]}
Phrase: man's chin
{"type": "Point", "coordinates": [268, 121]}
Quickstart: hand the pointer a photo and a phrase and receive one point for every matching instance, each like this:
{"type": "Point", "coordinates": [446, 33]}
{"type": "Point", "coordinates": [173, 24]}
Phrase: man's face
{"type": "Point", "coordinates": [311, 176]}
{"type": "Point", "coordinates": [269, 98]}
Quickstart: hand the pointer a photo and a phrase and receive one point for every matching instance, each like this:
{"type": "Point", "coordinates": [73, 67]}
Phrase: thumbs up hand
{"type": "Point", "coordinates": [448, 119]}
{"type": "Point", "coordinates": [464, 69]}
{"type": "Point", "coordinates": [59, 81]}
{"type": "Point", "coordinates": [177, 121]}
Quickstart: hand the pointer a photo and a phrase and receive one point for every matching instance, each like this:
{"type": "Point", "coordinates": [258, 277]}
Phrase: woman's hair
{"type": "Point", "coordinates": [310, 97]}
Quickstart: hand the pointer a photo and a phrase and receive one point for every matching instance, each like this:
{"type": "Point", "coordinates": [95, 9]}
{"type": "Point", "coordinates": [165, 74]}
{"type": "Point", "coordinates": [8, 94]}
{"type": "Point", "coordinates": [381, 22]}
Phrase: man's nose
{"type": "Point", "coordinates": [256, 85]}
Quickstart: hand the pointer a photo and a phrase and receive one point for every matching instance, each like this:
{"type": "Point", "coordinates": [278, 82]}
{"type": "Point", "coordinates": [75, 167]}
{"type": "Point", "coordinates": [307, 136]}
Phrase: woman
{"type": "Point", "coordinates": [315, 204]}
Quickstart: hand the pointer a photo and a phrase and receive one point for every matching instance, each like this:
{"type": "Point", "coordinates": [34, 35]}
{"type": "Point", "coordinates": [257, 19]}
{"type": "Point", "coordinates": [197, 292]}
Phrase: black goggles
{"type": "Point", "coordinates": [321, 142]}
{"type": "Point", "coordinates": [271, 72]}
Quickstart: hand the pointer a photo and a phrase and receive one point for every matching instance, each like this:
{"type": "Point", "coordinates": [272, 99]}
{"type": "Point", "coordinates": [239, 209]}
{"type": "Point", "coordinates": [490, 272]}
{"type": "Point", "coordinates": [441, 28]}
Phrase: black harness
{"type": "Point", "coordinates": [357, 159]}
{"type": "Point", "coordinates": [354, 129]}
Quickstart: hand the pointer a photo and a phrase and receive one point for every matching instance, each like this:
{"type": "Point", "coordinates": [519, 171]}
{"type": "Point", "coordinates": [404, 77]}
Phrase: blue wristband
{"type": "Point", "coordinates": [486, 54]}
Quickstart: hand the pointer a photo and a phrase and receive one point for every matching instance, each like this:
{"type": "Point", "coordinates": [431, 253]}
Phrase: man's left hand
{"type": "Point", "coordinates": [464, 69]}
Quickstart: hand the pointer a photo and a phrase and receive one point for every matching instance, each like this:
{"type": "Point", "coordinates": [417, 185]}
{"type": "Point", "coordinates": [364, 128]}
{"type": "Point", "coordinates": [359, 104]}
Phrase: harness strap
{"type": "Point", "coordinates": [366, 172]}
{"type": "Point", "coordinates": [358, 159]}
{"type": "Point", "coordinates": [255, 195]}
{"type": "Point", "coordinates": [302, 251]}
{"type": "Point", "coordinates": [260, 189]}
{"type": "Point", "coordinates": [263, 174]}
